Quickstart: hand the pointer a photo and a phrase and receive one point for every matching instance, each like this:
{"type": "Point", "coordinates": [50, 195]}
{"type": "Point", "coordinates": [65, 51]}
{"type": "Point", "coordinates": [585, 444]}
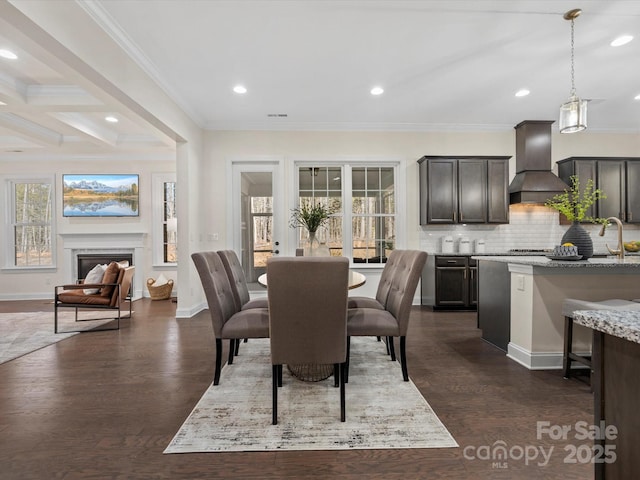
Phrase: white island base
{"type": "Point", "coordinates": [538, 288]}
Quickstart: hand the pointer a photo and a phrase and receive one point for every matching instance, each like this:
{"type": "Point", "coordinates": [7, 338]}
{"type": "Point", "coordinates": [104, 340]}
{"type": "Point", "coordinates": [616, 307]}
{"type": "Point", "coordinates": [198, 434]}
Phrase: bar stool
{"type": "Point", "coordinates": [569, 306]}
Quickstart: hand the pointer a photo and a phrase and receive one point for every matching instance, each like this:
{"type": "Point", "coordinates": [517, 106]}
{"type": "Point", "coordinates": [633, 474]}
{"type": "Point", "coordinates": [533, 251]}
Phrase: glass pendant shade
{"type": "Point", "coordinates": [573, 115]}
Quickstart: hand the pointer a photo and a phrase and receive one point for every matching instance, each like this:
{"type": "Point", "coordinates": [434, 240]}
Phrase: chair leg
{"type": "Point", "coordinates": [403, 358]}
{"type": "Point", "coordinates": [238, 346]}
{"type": "Point", "coordinates": [216, 375]}
{"type": "Point", "coordinates": [343, 412]}
{"type": "Point", "coordinates": [568, 346]}
{"type": "Point", "coordinates": [274, 393]}
{"type": "Point", "coordinates": [336, 375]}
{"type": "Point", "coordinates": [232, 350]}
{"type": "Point", "coordinates": [55, 317]}
{"type": "Point", "coordinates": [346, 369]}
{"type": "Point", "coordinates": [280, 376]}
{"type": "Point", "coordinates": [392, 350]}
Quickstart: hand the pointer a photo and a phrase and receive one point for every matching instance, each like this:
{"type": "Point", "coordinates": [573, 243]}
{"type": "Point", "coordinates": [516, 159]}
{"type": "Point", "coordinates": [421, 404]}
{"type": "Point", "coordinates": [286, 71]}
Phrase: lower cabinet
{"type": "Point", "coordinates": [456, 282]}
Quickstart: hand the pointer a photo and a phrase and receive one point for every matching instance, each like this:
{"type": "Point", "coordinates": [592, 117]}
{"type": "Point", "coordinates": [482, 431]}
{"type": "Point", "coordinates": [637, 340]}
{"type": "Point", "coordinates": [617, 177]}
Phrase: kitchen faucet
{"type": "Point", "coordinates": [620, 251]}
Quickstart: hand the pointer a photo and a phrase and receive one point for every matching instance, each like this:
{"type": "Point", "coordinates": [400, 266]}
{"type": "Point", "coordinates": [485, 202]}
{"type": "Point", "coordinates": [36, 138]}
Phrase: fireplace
{"type": "Point", "coordinates": [86, 261]}
{"type": "Point", "coordinates": [82, 251]}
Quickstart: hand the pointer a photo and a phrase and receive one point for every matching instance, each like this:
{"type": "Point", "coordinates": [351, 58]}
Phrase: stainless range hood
{"type": "Point", "coordinates": [534, 182]}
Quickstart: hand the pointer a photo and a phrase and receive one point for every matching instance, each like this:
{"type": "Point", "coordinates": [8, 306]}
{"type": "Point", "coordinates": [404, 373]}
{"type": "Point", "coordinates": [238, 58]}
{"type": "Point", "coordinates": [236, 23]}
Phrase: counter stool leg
{"type": "Point", "coordinates": [568, 346]}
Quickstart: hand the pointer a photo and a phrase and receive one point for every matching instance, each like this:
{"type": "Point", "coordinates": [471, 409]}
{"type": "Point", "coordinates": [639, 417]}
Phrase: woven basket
{"type": "Point", "coordinates": [161, 292]}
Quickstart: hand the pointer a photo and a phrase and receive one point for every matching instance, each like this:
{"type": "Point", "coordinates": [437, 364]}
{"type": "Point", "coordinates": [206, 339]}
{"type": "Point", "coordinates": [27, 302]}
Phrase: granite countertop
{"type": "Point", "coordinates": [541, 261]}
{"type": "Point", "coordinates": [618, 323]}
{"type": "Point", "coordinates": [520, 254]}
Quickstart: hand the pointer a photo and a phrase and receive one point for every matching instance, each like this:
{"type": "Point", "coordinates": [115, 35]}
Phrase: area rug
{"type": "Point", "coordinates": [383, 411]}
{"type": "Point", "coordinates": [25, 332]}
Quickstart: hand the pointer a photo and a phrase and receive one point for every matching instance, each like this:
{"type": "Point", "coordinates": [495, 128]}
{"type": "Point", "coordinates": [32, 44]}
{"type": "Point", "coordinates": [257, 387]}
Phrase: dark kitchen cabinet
{"type": "Point", "coordinates": [456, 282]}
{"type": "Point", "coordinates": [464, 190]}
{"type": "Point", "coordinates": [439, 205]}
{"type": "Point", "coordinates": [612, 181]}
{"type": "Point", "coordinates": [472, 197]}
{"type": "Point", "coordinates": [617, 177]}
{"type": "Point", "coordinates": [498, 190]}
{"type": "Point", "coordinates": [585, 170]}
{"type": "Point", "coordinates": [633, 191]}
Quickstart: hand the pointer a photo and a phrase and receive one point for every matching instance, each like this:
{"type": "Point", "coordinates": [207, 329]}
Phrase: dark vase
{"type": "Point", "coordinates": [577, 235]}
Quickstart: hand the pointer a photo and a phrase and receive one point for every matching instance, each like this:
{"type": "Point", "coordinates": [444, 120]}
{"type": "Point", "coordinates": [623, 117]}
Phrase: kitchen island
{"type": "Point", "coordinates": [616, 359]}
{"type": "Point", "coordinates": [529, 292]}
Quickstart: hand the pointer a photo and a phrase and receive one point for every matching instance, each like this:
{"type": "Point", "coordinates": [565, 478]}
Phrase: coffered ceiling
{"type": "Point", "coordinates": [310, 65]}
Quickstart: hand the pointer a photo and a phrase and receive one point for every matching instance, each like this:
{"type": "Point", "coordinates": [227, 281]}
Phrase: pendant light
{"type": "Point", "coordinates": [573, 113]}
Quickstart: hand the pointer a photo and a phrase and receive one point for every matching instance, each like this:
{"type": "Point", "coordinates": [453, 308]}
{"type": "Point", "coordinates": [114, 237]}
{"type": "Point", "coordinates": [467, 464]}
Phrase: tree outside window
{"type": "Point", "coordinates": [32, 224]}
{"type": "Point", "coordinates": [372, 216]}
{"type": "Point", "coordinates": [170, 224]}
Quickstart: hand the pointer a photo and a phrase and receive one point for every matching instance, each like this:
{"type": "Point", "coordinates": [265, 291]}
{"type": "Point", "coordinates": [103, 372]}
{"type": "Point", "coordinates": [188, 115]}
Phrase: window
{"type": "Point", "coordinates": [261, 230]}
{"type": "Point", "coordinates": [165, 229]}
{"type": "Point", "coordinates": [373, 213]}
{"type": "Point", "coordinates": [30, 216]}
{"type": "Point", "coordinates": [362, 199]}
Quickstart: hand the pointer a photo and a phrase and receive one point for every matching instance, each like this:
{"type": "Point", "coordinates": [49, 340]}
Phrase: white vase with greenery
{"type": "Point", "coordinates": [311, 217]}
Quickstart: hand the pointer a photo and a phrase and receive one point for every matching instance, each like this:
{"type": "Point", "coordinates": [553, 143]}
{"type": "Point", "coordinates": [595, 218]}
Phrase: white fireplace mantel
{"type": "Point", "coordinates": [100, 242]}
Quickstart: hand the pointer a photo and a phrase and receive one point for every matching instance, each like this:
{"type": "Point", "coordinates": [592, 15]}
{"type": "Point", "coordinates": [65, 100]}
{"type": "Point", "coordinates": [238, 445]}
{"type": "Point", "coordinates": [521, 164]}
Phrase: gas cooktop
{"type": "Point", "coordinates": [531, 250]}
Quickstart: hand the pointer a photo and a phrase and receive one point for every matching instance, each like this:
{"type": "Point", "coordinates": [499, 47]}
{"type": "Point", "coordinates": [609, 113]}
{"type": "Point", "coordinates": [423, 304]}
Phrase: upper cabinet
{"type": "Point", "coordinates": [464, 190]}
{"type": "Point", "coordinates": [617, 177]}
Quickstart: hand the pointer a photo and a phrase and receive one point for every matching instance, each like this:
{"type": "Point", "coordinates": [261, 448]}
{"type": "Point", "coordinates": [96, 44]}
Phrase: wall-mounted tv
{"type": "Point", "coordinates": [100, 195]}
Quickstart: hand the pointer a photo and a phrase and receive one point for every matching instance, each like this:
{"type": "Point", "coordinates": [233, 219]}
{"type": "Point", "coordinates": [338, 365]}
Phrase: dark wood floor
{"type": "Point", "coordinates": [104, 405]}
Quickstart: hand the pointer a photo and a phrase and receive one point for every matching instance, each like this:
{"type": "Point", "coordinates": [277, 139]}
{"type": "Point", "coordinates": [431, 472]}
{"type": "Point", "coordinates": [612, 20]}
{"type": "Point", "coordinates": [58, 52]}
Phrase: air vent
{"type": "Point", "coordinates": [277, 115]}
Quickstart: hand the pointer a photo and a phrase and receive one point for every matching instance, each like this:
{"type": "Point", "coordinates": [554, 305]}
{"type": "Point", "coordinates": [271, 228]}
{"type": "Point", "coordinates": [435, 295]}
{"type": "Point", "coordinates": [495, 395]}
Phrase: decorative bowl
{"type": "Point", "coordinates": [633, 246]}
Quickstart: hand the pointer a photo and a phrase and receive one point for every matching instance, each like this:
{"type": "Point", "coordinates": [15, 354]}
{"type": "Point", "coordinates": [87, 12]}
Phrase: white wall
{"type": "Point", "coordinates": [530, 227]}
{"type": "Point", "coordinates": [69, 33]}
{"type": "Point", "coordinates": [39, 284]}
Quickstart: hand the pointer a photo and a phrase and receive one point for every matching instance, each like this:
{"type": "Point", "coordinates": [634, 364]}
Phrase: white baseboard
{"type": "Point", "coordinates": [191, 311]}
{"type": "Point", "coordinates": [534, 361]}
{"type": "Point", "coordinates": [539, 361]}
{"type": "Point", "coordinates": [26, 296]}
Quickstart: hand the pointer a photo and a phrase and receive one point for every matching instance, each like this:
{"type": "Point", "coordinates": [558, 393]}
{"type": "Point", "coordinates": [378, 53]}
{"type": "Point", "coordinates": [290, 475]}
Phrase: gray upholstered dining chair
{"type": "Point", "coordinates": [383, 286]}
{"type": "Point", "coordinates": [239, 288]}
{"type": "Point", "coordinates": [393, 321]}
{"type": "Point", "coordinates": [238, 281]}
{"type": "Point", "coordinates": [229, 322]}
{"type": "Point", "coordinates": [308, 316]}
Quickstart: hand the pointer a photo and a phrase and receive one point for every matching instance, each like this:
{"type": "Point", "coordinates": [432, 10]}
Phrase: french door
{"type": "Point", "coordinates": [258, 222]}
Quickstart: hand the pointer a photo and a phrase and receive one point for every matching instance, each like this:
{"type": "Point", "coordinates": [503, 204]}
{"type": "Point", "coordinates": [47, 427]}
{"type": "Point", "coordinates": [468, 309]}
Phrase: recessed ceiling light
{"type": "Point", "coordinates": [637, 97]}
{"type": "Point", "coordinates": [522, 93]}
{"type": "Point", "coordinates": [111, 119]}
{"type": "Point", "coordinates": [240, 89]}
{"type": "Point", "coordinates": [377, 91]}
{"type": "Point", "coordinates": [8, 54]}
{"type": "Point", "coordinates": [621, 40]}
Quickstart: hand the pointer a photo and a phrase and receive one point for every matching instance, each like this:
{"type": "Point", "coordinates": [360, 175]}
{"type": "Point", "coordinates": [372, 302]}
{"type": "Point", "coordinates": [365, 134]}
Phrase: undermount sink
{"type": "Point", "coordinates": [627, 259]}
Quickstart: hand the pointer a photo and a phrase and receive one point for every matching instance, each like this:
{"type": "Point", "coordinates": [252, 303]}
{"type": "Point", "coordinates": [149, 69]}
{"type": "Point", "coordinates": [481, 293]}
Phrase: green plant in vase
{"type": "Point", "coordinates": [574, 204]}
{"type": "Point", "coordinates": [311, 217]}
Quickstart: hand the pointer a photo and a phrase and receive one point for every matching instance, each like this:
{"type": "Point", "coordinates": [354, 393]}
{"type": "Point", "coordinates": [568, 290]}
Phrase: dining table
{"type": "Point", "coordinates": [356, 279]}
{"type": "Point", "coordinates": [317, 372]}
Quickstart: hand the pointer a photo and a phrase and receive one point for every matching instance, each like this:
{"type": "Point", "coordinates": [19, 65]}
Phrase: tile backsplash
{"type": "Point", "coordinates": [531, 226]}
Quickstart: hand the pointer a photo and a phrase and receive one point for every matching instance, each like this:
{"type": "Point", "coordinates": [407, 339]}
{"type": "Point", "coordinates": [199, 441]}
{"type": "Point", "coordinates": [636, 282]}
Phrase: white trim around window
{"type": "Point", "coordinates": [7, 186]}
{"type": "Point", "coordinates": [347, 165]}
{"type": "Point", "coordinates": [158, 181]}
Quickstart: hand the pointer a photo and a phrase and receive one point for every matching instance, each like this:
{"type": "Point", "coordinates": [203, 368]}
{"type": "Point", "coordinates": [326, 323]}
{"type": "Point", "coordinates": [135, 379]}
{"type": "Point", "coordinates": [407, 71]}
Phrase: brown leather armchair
{"type": "Point", "coordinates": [113, 292]}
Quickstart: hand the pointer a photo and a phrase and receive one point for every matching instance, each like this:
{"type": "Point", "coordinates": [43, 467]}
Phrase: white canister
{"type": "Point", "coordinates": [447, 244]}
{"type": "Point", "coordinates": [480, 245]}
{"type": "Point", "coordinates": [465, 245]}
